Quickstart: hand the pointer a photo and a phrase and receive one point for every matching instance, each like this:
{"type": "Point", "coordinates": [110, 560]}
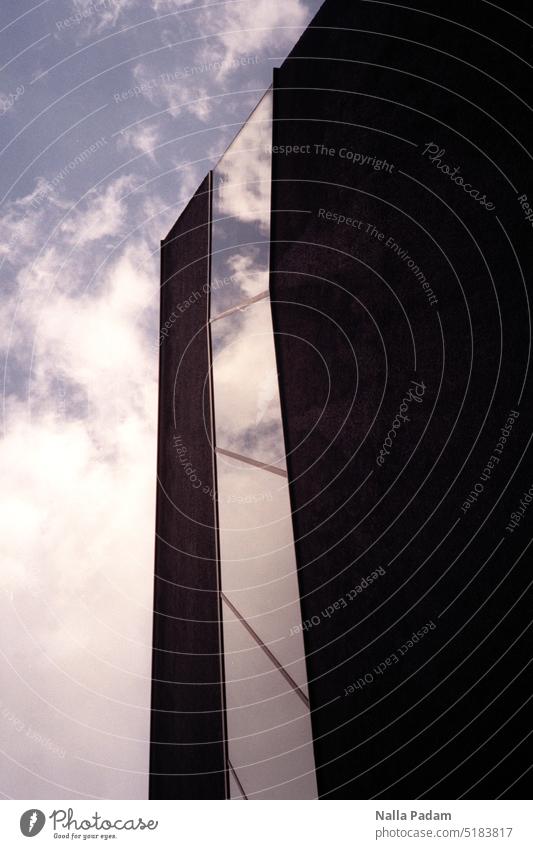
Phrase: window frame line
{"type": "Point", "coordinates": [237, 779]}
{"type": "Point", "coordinates": [275, 470]}
{"type": "Point", "coordinates": [273, 659]}
{"type": "Point", "coordinates": [242, 306]}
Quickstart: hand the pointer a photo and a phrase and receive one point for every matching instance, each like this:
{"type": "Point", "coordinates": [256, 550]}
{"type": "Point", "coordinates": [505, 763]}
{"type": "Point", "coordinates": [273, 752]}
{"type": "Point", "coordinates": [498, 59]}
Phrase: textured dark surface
{"type": "Point", "coordinates": [187, 757]}
{"type": "Point", "coordinates": [450, 716]}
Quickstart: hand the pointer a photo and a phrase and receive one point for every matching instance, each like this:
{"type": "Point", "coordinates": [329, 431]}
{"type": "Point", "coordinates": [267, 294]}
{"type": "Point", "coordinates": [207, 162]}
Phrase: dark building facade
{"type": "Point", "coordinates": [342, 594]}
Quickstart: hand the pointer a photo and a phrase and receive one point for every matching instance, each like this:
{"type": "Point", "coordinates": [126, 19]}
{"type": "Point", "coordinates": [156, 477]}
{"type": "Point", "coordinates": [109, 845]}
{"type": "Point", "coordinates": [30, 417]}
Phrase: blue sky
{"type": "Point", "coordinates": [111, 113]}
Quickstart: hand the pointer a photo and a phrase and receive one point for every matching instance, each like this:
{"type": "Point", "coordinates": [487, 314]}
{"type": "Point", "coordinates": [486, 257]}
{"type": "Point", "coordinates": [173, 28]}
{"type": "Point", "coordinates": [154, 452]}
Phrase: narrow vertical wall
{"type": "Point", "coordinates": [187, 751]}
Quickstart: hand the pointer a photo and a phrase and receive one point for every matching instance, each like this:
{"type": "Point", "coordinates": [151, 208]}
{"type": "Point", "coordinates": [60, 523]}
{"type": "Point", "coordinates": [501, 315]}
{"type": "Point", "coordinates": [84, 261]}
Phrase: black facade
{"type": "Point", "coordinates": [187, 734]}
{"type": "Point", "coordinates": [399, 261]}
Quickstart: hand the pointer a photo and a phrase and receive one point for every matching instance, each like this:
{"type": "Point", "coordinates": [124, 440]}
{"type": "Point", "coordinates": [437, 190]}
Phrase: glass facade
{"type": "Point", "coordinates": [241, 214]}
{"type": "Point", "coordinates": [270, 746]}
{"type": "Point", "coordinates": [248, 415]}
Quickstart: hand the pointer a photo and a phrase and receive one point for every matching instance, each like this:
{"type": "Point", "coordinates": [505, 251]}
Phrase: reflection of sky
{"type": "Point", "coordinates": [242, 177]}
{"type": "Point", "coordinates": [239, 273]}
{"type": "Point", "coordinates": [258, 564]}
{"type": "Point", "coordinates": [247, 409]}
{"type": "Point", "coordinates": [269, 728]}
{"type": "Point", "coordinates": [162, 83]}
{"type": "Point", "coordinates": [241, 212]}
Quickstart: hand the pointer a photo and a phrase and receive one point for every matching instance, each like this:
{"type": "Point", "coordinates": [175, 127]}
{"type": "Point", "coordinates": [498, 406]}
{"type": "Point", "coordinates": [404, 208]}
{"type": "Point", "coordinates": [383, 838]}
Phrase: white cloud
{"type": "Point", "coordinates": [101, 14]}
{"type": "Point", "coordinates": [172, 5]}
{"type": "Point", "coordinates": [236, 36]}
{"type": "Point", "coordinates": [102, 214]}
{"type": "Point", "coordinates": [174, 91]}
{"type": "Point", "coordinates": [142, 138]}
{"type": "Point", "coordinates": [244, 172]}
{"type": "Point", "coordinates": [75, 520]}
{"type": "Point", "coordinates": [20, 223]}
{"type": "Point", "coordinates": [244, 29]}
{"type": "Point", "coordinates": [246, 388]}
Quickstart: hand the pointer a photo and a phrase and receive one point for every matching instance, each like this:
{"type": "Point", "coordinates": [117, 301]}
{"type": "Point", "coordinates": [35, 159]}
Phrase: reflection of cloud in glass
{"type": "Point", "coordinates": [247, 408]}
{"type": "Point", "coordinates": [242, 177]}
{"type": "Point", "coordinates": [269, 729]}
{"type": "Point", "coordinates": [256, 546]}
{"type": "Point", "coordinates": [241, 212]}
{"type": "Point", "coordinates": [239, 275]}
{"type": "Point", "coordinates": [270, 740]}
{"type": "Point", "coordinates": [267, 392]}
{"type": "Point", "coordinates": [250, 270]}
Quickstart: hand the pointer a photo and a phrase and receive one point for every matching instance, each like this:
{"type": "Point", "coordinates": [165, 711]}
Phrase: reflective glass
{"type": "Point", "coordinates": [269, 726]}
{"type": "Point", "coordinates": [234, 789]}
{"type": "Point", "coordinates": [258, 560]}
{"type": "Point", "coordinates": [241, 213]}
{"type": "Point", "coordinates": [245, 382]}
{"type": "Point", "coordinates": [269, 729]}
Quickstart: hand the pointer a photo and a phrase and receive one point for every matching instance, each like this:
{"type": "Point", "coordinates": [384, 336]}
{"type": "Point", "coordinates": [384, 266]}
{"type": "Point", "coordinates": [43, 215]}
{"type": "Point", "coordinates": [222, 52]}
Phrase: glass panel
{"type": "Point", "coordinates": [245, 381]}
{"type": "Point", "coordinates": [266, 694]}
{"type": "Point", "coordinates": [234, 789]}
{"type": "Point", "coordinates": [269, 728]}
{"type": "Point", "coordinates": [241, 213]}
{"type": "Point", "coordinates": [258, 560]}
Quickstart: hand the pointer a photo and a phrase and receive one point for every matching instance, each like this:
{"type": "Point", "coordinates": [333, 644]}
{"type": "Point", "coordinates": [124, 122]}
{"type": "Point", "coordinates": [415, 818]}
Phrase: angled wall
{"type": "Point", "coordinates": [402, 325]}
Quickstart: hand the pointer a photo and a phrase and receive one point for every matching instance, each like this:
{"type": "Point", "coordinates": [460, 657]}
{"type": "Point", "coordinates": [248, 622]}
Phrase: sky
{"type": "Point", "coordinates": [111, 113]}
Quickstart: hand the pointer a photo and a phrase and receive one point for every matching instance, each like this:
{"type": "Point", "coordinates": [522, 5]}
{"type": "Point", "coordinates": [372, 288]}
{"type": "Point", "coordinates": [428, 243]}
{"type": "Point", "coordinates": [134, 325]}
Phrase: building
{"type": "Point", "coordinates": [344, 376]}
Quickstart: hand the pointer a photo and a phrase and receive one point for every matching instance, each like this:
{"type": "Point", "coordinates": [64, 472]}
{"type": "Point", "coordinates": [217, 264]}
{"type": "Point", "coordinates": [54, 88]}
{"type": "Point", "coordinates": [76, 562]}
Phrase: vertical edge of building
{"type": "Point", "coordinates": [187, 751]}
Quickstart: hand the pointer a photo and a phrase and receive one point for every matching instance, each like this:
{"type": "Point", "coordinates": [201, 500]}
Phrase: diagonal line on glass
{"type": "Point", "coordinates": [267, 651]}
{"type": "Point", "coordinates": [237, 779]}
{"type": "Point", "coordinates": [267, 468]}
{"type": "Point", "coordinates": [242, 306]}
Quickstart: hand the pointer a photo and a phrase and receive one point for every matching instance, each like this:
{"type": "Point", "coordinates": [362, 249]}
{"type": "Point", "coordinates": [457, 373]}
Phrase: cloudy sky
{"type": "Point", "coordinates": [111, 113]}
